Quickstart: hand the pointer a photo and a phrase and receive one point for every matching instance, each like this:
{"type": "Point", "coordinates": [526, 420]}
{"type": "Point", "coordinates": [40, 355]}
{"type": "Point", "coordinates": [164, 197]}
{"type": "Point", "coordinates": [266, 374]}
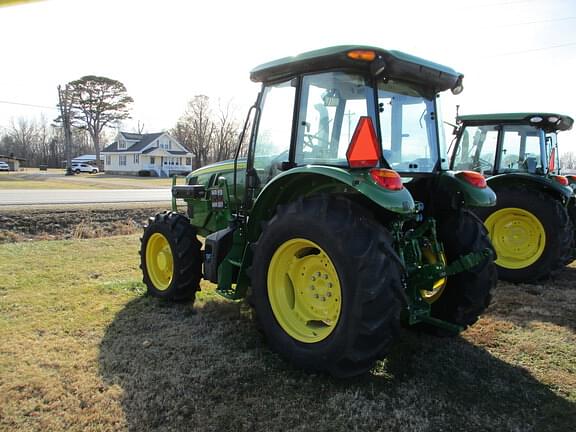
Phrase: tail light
{"type": "Point", "coordinates": [561, 179]}
{"type": "Point", "coordinates": [472, 177]}
{"type": "Point", "coordinates": [387, 178]}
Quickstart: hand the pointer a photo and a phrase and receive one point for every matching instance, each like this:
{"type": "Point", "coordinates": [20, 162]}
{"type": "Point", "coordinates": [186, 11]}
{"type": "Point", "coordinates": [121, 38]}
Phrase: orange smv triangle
{"type": "Point", "coordinates": [364, 150]}
{"type": "Point", "coordinates": [552, 161]}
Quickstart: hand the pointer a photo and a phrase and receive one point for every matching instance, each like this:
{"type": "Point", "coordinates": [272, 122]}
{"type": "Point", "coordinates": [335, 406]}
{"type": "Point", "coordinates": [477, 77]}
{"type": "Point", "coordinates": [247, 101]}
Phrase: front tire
{"type": "Point", "coordinates": [170, 257]}
{"type": "Point", "coordinates": [327, 286]}
{"type": "Point", "coordinates": [531, 232]}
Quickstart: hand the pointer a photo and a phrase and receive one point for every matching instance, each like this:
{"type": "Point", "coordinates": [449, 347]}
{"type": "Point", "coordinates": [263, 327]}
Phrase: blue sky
{"type": "Point", "coordinates": [516, 55]}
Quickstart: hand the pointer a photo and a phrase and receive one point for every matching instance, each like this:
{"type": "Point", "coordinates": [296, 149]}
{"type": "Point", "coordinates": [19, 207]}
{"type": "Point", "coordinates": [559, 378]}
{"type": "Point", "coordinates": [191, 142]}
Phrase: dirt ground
{"type": "Point", "coordinates": [74, 222]}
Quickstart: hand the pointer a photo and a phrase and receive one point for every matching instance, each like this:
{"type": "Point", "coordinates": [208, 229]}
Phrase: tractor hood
{"type": "Point", "coordinates": [376, 61]}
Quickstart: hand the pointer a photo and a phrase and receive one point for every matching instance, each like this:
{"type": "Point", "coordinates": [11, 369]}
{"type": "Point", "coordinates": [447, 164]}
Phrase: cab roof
{"type": "Point", "coordinates": [397, 65]}
{"type": "Point", "coordinates": [547, 121]}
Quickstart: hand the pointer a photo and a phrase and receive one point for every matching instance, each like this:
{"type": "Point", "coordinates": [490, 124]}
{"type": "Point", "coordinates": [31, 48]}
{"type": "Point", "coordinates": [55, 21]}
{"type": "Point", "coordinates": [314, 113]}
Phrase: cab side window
{"type": "Point", "coordinates": [477, 149]}
{"type": "Point", "coordinates": [274, 130]}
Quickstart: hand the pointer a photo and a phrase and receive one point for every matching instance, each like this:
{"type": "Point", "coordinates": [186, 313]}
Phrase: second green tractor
{"type": "Point", "coordinates": [532, 225]}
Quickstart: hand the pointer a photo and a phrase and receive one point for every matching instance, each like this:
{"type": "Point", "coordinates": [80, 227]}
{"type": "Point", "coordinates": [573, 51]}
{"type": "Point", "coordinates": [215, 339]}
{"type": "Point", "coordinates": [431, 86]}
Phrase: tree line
{"type": "Point", "coordinates": [95, 106]}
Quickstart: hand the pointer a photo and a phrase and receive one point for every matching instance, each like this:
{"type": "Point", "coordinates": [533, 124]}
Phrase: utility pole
{"type": "Point", "coordinates": [65, 108]}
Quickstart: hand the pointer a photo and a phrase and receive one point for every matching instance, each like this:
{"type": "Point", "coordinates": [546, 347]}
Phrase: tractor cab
{"type": "Point", "coordinates": [357, 107]}
{"type": "Point", "coordinates": [494, 144]}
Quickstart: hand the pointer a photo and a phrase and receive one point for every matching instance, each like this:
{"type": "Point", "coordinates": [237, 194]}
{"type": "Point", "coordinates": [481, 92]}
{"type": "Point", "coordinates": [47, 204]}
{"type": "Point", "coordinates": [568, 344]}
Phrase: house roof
{"type": "Point", "coordinates": [132, 136]}
{"type": "Point", "coordinates": [143, 141]}
{"type": "Point", "coordinates": [161, 151]}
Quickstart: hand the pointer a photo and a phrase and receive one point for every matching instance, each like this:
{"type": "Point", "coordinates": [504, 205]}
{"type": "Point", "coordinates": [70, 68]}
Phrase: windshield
{"type": "Point", "coordinates": [408, 127]}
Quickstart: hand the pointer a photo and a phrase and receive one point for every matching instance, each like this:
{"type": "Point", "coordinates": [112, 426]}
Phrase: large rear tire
{"type": "Point", "coordinates": [531, 233]}
{"type": "Point", "coordinates": [466, 294]}
{"type": "Point", "coordinates": [327, 286]}
{"type": "Point", "coordinates": [170, 257]}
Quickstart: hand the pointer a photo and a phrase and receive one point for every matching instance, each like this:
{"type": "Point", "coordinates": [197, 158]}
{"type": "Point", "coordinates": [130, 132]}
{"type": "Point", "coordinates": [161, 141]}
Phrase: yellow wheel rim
{"type": "Point", "coordinates": [440, 284]}
{"type": "Point", "coordinates": [304, 290]}
{"type": "Point", "coordinates": [159, 261]}
{"type": "Point", "coordinates": [518, 237]}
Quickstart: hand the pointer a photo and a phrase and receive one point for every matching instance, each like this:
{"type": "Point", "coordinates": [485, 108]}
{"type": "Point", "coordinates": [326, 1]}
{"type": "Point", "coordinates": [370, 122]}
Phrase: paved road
{"type": "Point", "coordinates": [81, 196]}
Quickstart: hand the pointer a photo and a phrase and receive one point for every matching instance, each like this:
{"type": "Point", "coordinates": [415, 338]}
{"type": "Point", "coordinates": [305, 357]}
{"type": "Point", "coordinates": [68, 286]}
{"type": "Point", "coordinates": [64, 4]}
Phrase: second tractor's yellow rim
{"type": "Point", "coordinates": [159, 261]}
{"type": "Point", "coordinates": [304, 290]}
{"type": "Point", "coordinates": [518, 237]}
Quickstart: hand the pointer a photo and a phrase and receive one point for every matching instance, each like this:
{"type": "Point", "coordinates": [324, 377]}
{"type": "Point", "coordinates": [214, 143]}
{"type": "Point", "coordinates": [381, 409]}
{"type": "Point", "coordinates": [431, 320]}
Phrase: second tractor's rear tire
{"type": "Point", "coordinates": [466, 294]}
{"type": "Point", "coordinates": [327, 286]}
{"type": "Point", "coordinates": [170, 257]}
{"type": "Point", "coordinates": [531, 233]}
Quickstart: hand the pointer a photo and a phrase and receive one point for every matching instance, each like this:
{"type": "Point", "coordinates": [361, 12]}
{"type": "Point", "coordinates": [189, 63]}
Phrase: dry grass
{"type": "Point", "coordinates": [82, 349]}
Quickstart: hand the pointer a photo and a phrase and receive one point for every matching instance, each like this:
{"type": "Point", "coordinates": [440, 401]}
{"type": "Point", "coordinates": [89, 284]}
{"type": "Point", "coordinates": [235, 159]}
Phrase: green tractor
{"type": "Point", "coordinates": [317, 225]}
{"type": "Point", "coordinates": [531, 226]}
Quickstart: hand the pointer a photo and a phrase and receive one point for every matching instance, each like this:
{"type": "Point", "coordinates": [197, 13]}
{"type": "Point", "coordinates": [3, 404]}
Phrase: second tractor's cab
{"type": "Point", "coordinates": [342, 218]}
{"type": "Point", "coordinates": [518, 153]}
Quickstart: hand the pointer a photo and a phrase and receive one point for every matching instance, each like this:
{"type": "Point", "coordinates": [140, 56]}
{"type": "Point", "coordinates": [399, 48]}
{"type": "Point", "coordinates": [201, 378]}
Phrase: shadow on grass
{"type": "Point", "coordinates": [210, 370]}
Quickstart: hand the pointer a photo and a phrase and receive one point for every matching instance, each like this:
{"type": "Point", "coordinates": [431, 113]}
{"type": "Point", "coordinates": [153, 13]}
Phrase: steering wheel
{"type": "Point", "coordinates": [482, 164]}
{"type": "Point", "coordinates": [320, 142]}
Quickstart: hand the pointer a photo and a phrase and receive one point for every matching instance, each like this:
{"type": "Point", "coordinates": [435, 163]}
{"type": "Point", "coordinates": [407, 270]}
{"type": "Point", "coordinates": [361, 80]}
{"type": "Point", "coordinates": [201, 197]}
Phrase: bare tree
{"type": "Point", "coordinates": [196, 130]}
{"type": "Point", "coordinates": [210, 135]}
{"type": "Point", "coordinates": [23, 132]}
{"type": "Point", "coordinates": [226, 137]}
{"type": "Point", "coordinates": [568, 161]}
{"type": "Point", "coordinates": [98, 102]}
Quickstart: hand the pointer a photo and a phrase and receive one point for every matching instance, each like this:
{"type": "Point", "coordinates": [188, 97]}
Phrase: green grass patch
{"type": "Point", "coordinates": [82, 348]}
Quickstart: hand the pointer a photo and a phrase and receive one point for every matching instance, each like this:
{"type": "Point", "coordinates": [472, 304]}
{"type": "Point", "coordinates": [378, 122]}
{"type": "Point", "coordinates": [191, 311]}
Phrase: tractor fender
{"type": "Point", "coordinates": [310, 180]}
{"type": "Point", "coordinates": [545, 184]}
{"type": "Point", "coordinates": [456, 188]}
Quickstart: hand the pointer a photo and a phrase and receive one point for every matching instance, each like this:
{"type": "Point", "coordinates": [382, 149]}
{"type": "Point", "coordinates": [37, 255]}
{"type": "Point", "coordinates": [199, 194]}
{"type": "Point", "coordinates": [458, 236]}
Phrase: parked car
{"type": "Point", "coordinates": [84, 167]}
{"type": "Point", "coordinates": [4, 166]}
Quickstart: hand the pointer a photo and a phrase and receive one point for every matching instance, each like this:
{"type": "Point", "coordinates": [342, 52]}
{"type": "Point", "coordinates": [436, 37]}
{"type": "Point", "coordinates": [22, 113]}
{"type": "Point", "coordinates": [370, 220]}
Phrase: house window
{"type": "Point", "coordinates": [152, 160]}
{"type": "Point", "coordinates": [188, 161]}
{"type": "Point", "coordinates": [165, 144]}
{"type": "Point", "coordinates": [121, 144]}
{"type": "Point", "coordinates": [122, 160]}
{"type": "Point", "coordinates": [136, 158]}
{"type": "Point", "coordinates": [108, 160]}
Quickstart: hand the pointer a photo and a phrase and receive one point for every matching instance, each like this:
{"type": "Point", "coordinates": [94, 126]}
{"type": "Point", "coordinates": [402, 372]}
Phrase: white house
{"type": "Point", "coordinates": [158, 153]}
